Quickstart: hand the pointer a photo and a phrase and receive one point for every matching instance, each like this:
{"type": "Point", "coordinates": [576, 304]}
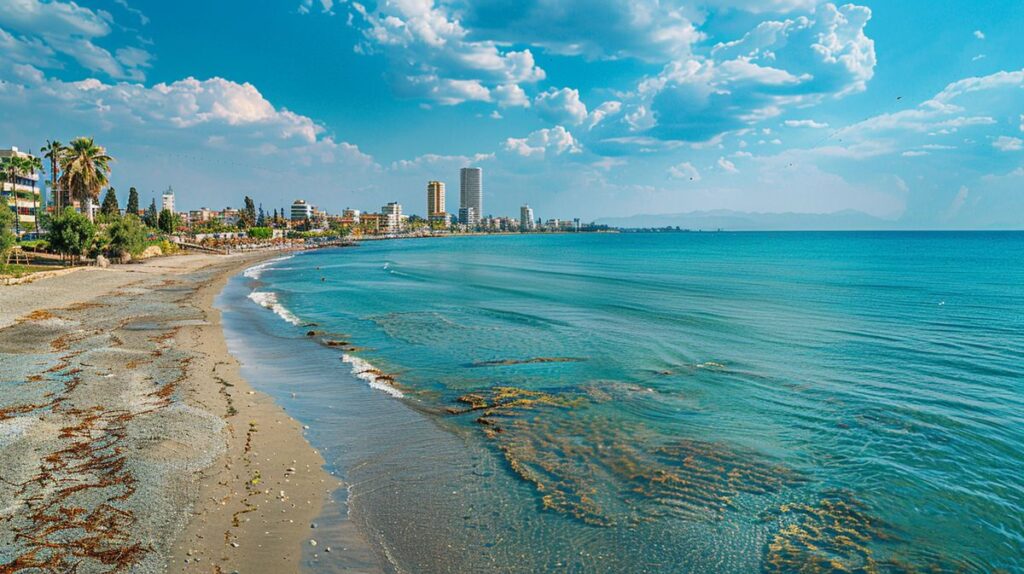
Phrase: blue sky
{"type": "Point", "coordinates": [908, 111]}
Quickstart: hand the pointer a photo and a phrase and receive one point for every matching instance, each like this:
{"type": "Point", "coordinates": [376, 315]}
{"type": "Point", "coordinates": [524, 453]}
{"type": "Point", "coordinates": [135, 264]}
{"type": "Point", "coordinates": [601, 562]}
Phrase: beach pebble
{"type": "Point", "coordinates": [328, 549]}
{"type": "Point", "coordinates": [312, 542]}
{"type": "Point", "coordinates": [234, 545]}
{"type": "Point", "coordinates": [313, 525]}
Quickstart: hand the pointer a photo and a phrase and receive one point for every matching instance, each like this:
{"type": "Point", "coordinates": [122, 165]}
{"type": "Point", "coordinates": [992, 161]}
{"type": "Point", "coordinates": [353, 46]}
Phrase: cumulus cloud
{"type": "Point", "coordinates": [779, 64]}
{"type": "Point", "coordinates": [727, 165]}
{"type": "Point", "coordinates": [1006, 143]}
{"type": "Point", "coordinates": [979, 34]}
{"type": "Point", "coordinates": [561, 106]}
{"type": "Point", "coordinates": [511, 95]}
{"type": "Point", "coordinates": [684, 170]}
{"type": "Point", "coordinates": [431, 55]}
{"type": "Point", "coordinates": [68, 30]}
{"type": "Point", "coordinates": [648, 30]}
{"type": "Point", "coordinates": [602, 112]}
{"type": "Point", "coordinates": [805, 124]}
{"type": "Point", "coordinates": [325, 6]}
{"type": "Point", "coordinates": [557, 140]}
{"type": "Point", "coordinates": [215, 137]}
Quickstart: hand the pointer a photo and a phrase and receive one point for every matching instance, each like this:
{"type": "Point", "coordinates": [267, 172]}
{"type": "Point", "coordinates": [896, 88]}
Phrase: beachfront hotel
{"type": "Point", "coordinates": [21, 195]}
{"type": "Point", "coordinates": [471, 195]}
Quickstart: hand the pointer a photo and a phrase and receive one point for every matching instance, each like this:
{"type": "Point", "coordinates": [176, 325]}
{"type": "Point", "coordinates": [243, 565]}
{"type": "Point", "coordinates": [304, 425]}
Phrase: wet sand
{"type": "Point", "coordinates": [128, 440]}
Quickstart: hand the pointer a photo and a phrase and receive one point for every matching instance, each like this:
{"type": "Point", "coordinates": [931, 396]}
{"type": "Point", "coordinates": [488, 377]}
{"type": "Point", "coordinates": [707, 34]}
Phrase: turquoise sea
{"type": "Point", "coordinates": [685, 402]}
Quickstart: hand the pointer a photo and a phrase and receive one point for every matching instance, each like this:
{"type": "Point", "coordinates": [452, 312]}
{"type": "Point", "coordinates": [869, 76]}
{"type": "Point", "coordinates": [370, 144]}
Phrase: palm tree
{"type": "Point", "coordinates": [14, 167]}
{"type": "Point", "coordinates": [54, 150]}
{"type": "Point", "coordinates": [86, 168]}
{"type": "Point", "coordinates": [34, 166]}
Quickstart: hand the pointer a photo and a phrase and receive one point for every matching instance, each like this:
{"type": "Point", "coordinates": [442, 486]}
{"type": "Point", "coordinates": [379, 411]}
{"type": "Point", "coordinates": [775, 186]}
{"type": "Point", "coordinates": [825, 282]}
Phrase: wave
{"type": "Point", "coordinates": [362, 369]}
{"type": "Point", "coordinates": [256, 271]}
{"type": "Point", "coordinates": [269, 301]}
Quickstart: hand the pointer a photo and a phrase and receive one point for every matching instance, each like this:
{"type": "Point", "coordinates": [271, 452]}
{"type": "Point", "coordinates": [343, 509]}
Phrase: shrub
{"type": "Point", "coordinates": [71, 233]}
{"type": "Point", "coordinates": [260, 232]}
{"type": "Point", "coordinates": [126, 235]}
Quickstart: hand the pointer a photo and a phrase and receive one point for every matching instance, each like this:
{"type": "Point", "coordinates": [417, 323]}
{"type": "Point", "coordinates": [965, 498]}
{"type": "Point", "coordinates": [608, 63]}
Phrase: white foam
{"type": "Point", "coordinates": [364, 370]}
{"type": "Point", "coordinates": [255, 271]}
{"type": "Point", "coordinates": [269, 301]}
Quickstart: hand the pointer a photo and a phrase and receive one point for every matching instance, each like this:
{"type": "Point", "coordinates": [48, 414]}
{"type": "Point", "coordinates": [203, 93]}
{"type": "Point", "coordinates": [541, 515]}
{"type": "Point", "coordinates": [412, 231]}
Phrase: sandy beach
{"type": "Point", "coordinates": [129, 442]}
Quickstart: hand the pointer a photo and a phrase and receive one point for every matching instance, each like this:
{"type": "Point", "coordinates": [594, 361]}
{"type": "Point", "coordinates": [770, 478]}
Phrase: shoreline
{"type": "Point", "coordinates": [124, 387]}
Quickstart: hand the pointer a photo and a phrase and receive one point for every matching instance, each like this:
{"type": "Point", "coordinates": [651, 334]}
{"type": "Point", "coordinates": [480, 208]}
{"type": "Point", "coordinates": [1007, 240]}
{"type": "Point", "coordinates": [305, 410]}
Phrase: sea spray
{"type": "Point", "coordinates": [362, 369]}
{"type": "Point", "coordinates": [256, 271]}
{"type": "Point", "coordinates": [269, 301]}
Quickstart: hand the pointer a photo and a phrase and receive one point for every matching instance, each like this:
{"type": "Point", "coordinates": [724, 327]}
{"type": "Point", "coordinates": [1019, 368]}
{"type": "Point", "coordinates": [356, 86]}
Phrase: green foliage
{"type": "Point", "coordinates": [110, 206]}
{"type": "Point", "coordinates": [247, 216]}
{"type": "Point", "coordinates": [7, 237]}
{"type": "Point", "coordinates": [133, 202]}
{"type": "Point", "coordinates": [260, 232]}
{"type": "Point", "coordinates": [151, 216]}
{"type": "Point", "coordinates": [167, 221]}
{"type": "Point", "coordinates": [86, 167]}
{"type": "Point", "coordinates": [213, 226]}
{"type": "Point", "coordinates": [71, 233]}
{"type": "Point", "coordinates": [126, 235]}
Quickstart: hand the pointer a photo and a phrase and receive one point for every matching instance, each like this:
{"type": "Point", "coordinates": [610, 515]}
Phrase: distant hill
{"type": "Point", "coordinates": [746, 221]}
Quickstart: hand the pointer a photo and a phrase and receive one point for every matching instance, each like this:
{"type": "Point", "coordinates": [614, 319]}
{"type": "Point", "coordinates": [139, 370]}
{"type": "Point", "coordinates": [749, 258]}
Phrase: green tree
{"type": "Point", "coordinates": [261, 218]}
{"type": "Point", "coordinates": [126, 235]}
{"type": "Point", "coordinates": [110, 206]}
{"type": "Point", "coordinates": [54, 151]}
{"type": "Point", "coordinates": [7, 237]}
{"type": "Point", "coordinates": [86, 170]}
{"type": "Point", "coordinates": [151, 216]}
{"type": "Point", "coordinates": [71, 233]}
{"type": "Point", "coordinates": [133, 202]}
{"type": "Point", "coordinates": [166, 221]}
{"type": "Point", "coordinates": [247, 216]}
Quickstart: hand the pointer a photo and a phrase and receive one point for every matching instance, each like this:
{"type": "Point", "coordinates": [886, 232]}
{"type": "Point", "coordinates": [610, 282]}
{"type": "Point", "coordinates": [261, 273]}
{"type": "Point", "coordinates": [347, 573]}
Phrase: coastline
{"type": "Point", "coordinates": [125, 389]}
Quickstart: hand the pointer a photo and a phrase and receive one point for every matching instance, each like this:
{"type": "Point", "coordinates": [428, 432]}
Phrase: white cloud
{"type": "Point", "coordinates": [561, 106]}
{"type": "Point", "coordinates": [914, 153]}
{"type": "Point", "coordinates": [67, 29]}
{"type": "Point", "coordinates": [805, 124]}
{"type": "Point", "coordinates": [727, 165]}
{"type": "Point", "coordinates": [979, 34]}
{"type": "Point", "coordinates": [684, 170]}
{"type": "Point", "coordinates": [958, 202]}
{"type": "Point", "coordinates": [440, 163]}
{"type": "Point", "coordinates": [649, 30]}
{"type": "Point", "coordinates": [1005, 143]}
{"type": "Point", "coordinates": [430, 54]}
{"type": "Point", "coordinates": [778, 65]}
{"type": "Point", "coordinates": [326, 6]}
{"type": "Point", "coordinates": [511, 95]}
{"type": "Point", "coordinates": [557, 139]}
{"type": "Point", "coordinates": [602, 112]}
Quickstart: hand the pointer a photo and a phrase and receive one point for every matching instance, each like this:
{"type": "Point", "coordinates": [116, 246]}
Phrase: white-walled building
{"type": "Point", "coordinates": [167, 200]}
{"type": "Point", "coordinates": [526, 222]}
{"type": "Point", "coordinates": [471, 194]}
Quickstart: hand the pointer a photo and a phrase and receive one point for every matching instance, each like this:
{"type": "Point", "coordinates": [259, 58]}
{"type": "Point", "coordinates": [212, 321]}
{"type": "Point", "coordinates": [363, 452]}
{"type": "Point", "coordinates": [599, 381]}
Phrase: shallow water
{"type": "Point", "coordinates": [660, 403]}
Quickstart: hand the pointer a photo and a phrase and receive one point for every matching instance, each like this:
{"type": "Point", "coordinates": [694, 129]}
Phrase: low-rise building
{"type": "Point", "coordinates": [391, 215]}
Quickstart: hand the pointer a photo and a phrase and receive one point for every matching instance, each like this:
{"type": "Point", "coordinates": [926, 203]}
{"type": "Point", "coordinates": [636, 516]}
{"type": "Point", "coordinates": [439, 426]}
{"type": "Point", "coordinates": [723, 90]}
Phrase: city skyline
{"type": "Point", "coordinates": [792, 106]}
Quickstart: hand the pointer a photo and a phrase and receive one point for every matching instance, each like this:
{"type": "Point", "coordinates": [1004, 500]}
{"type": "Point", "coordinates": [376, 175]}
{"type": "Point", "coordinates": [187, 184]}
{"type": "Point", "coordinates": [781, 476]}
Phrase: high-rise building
{"type": "Point", "coordinates": [167, 200]}
{"type": "Point", "coordinates": [471, 193]}
{"type": "Point", "coordinates": [26, 196]}
{"type": "Point", "coordinates": [435, 198]}
{"type": "Point", "coordinates": [526, 218]}
{"type": "Point", "coordinates": [392, 217]}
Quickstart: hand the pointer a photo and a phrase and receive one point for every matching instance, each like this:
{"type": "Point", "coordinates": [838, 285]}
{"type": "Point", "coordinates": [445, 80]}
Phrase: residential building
{"type": "Point", "coordinates": [391, 215]}
{"type": "Point", "coordinates": [435, 201]}
{"type": "Point", "coordinates": [22, 196]}
{"type": "Point", "coordinates": [201, 215]}
{"type": "Point", "coordinates": [230, 216]}
{"type": "Point", "coordinates": [526, 218]}
{"type": "Point", "coordinates": [471, 194]}
{"type": "Point", "coordinates": [469, 217]}
{"type": "Point", "coordinates": [301, 211]}
{"type": "Point", "coordinates": [167, 200]}
{"type": "Point", "coordinates": [370, 222]}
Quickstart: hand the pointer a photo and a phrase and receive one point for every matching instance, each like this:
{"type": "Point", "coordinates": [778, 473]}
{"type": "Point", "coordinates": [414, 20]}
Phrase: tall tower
{"type": "Point", "coordinates": [435, 198]}
{"type": "Point", "coordinates": [471, 193]}
{"type": "Point", "coordinates": [526, 218]}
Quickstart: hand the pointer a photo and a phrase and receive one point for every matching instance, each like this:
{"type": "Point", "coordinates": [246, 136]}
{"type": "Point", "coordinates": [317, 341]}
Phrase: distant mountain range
{"type": "Point", "coordinates": [728, 220]}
